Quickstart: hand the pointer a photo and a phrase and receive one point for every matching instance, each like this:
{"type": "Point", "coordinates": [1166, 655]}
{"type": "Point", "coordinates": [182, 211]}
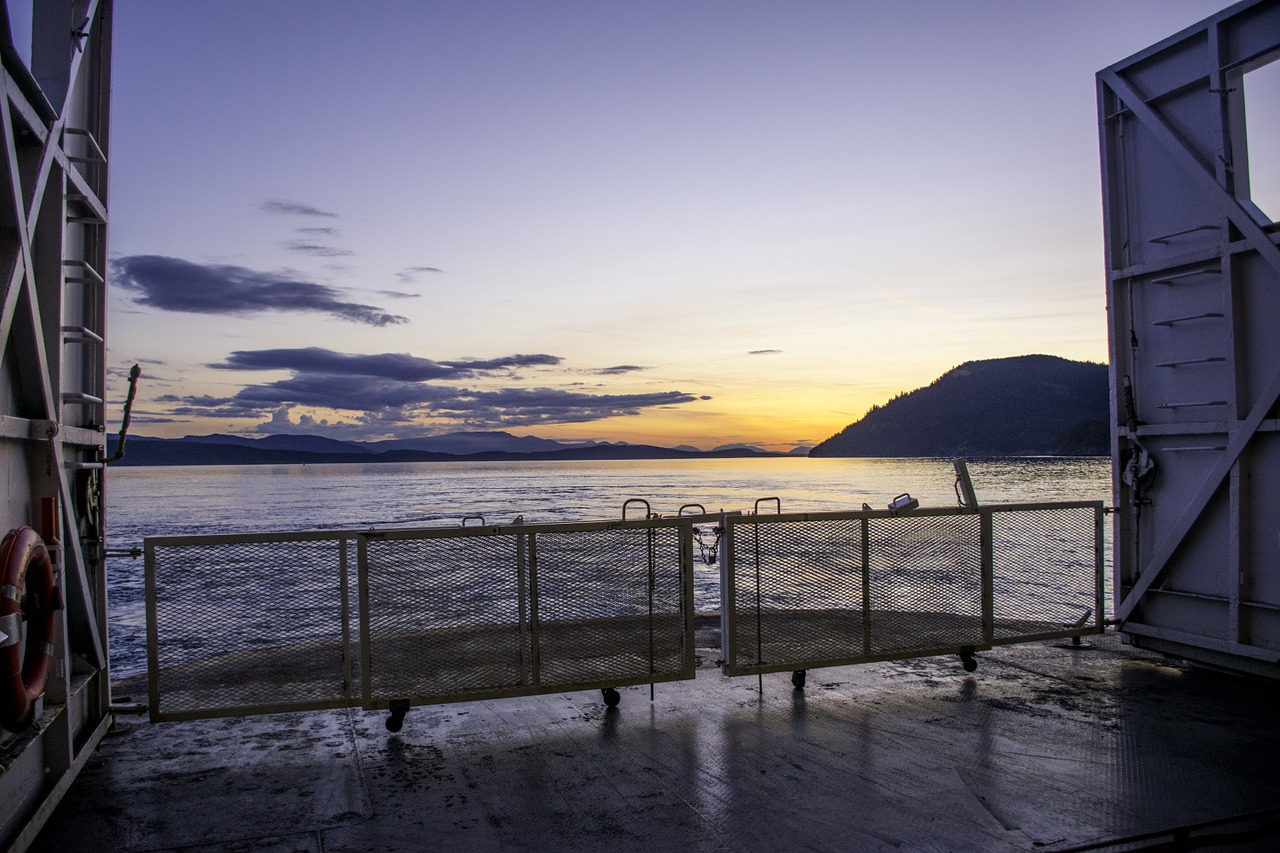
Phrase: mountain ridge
{"type": "Point", "coordinates": [293, 449]}
{"type": "Point", "coordinates": [1030, 405]}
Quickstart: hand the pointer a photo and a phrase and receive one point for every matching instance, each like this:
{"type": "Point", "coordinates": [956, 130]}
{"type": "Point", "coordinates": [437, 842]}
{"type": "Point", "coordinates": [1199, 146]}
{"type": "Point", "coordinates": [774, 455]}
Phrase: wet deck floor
{"type": "Point", "coordinates": [1043, 748]}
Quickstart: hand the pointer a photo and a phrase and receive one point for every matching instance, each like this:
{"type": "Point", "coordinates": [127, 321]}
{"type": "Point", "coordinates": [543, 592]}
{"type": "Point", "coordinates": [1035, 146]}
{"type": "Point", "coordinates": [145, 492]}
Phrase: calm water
{"type": "Point", "coordinates": [166, 501]}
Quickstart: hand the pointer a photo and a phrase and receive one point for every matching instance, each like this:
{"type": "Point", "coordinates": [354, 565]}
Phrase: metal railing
{"type": "Point", "coordinates": [470, 613]}
{"type": "Point", "coordinates": [262, 623]}
{"type": "Point", "coordinates": [808, 590]}
{"type": "Point", "coordinates": [253, 623]}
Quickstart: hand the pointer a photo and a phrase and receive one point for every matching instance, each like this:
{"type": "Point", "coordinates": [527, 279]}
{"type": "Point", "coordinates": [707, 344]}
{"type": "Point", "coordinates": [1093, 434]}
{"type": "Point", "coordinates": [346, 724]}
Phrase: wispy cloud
{"type": "Point", "coordinates": [508, 361]}
{"type": "Point", "coordinates": [398, 294]}
{"type": "Point", "coordinates": [390, 365]}
{"type": "Point", "coordinates": [318, 250]}
{"type": "Point", "coordinates": [530, 406]}
{"type": "Point", "coordinates": [319, 232]}
{"type": "Point", "coordinates": [173, 284]}
{"type": "Point", "coordinates": [293, 208]}
{"type": "Point", "coordinates": [617, 369]}
{"type": "Point", "coordinates": [410, 274]}
{"type": "Point", "coordinates": [765, 352]}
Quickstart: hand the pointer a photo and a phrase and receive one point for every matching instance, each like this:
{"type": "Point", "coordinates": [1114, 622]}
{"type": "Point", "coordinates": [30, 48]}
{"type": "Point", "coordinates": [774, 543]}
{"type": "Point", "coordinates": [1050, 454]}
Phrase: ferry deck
{"type": "Point", "coordinates": [1047, 746]}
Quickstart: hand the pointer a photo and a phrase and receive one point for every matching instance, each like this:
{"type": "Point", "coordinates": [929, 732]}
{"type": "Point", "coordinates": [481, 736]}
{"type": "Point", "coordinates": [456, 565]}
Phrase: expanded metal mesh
{"type": "Point", "coordinates": [270, 622]}
{"type": "Point", "coordinates": [265, 622]}
{"type": "Point", "coordinates": [838, 588]}
{"type": "Point", "coordinates": [241, 624]}
{"type": "Point", "coordinates": [611, 606]}
{"type": "Point", "coordinates": [798, 592]}
{"type": "Point", "coordinates": [926, 583]}
{"type": "Point", "coordinates": [1045, 571]}
{"type": "Point", "coordinates": [444, 616]}
{"type": "Point", "coordinates": [452, 615]}
{"type": "Point", "coordinates": [813, 592]}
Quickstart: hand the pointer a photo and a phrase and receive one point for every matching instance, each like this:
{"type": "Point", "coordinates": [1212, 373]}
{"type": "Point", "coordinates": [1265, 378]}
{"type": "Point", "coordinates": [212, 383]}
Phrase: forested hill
{"type": "Point", "coordinates": [1030, 405]}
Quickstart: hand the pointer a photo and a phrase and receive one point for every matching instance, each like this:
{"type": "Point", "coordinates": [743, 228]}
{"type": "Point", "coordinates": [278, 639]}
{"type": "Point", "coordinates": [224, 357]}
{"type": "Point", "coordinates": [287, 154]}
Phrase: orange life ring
{"type": "Point", "coordinates": [29, 594]}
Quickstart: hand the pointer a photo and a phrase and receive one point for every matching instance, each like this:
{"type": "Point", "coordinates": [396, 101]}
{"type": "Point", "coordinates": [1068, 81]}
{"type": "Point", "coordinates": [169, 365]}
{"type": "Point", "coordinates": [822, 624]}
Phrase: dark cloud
{"type": "Point", "coordinates": [319, 232]}
{"type": "Point", "coordinates": [530, 406]}
{"type": "Point", "coordinates": [389, 365]}
{"type": "Point", "coordinates": [503, 407]}
{"type": "Point", "coordinates": [172, 284]}
{"type": "Point", "coordinates": [391, 390]}
{"type": "Point", "coordinates": [619, 368]}
{"type": "Point", "coordinates": [293, 208]}
{"type": "Point", "coordinates": [409, 274]}
{"type": "Point", "coordinates": [765, 352]}
{"type": "Point", "coordinates": [196, 400]}
{"type": "Point", "coordinates": [303, 247]}
{"type": "Point", "coordinates": [143, 418]}
{"type": "Point", "coordinates": [203, 405]}
{"type": "Point", "coordinates": [338, 391]}
{"type": "Point", "coordinates": [398, 294]}
{"type": "Point", "coordinates": [509, 361]}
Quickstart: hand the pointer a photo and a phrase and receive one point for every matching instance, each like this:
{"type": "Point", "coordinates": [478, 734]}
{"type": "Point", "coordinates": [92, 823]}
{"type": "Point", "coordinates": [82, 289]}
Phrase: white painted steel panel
{"type": "Point", "coordinates": [1193, 294]}
{"type": "Point", "coordinates": [53, 201]}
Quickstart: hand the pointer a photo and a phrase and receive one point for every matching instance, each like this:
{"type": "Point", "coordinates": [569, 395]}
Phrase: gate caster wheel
{"type": "Point", "coordinates": [399, 707]}
{"type": "Point", "coordinates": [968, 660]}
{"type": "Point", "coordinates": [611, 697]}
{"type": "Point", "coordinates": [797, 679]}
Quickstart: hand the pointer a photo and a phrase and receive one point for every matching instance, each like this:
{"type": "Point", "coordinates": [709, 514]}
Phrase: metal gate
{"type": "Point", "coordinates": [251, 623]}
{"type": "Point", "coordinates": [808, 590]}
{"type": "Point", "coordinates": [1193, 292]}
{"type": "Point", "coordinates": [262, 623]}
{"type": "Point", "coordinates": [472, 613]}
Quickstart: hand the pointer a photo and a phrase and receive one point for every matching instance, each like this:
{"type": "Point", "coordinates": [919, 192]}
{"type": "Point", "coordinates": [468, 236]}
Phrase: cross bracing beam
{"type": "Point", "coordinates": [48, 280]}
{"type": "Point", "coordinates": [1212, 193]}
{"type": "Point", "coordinates": [1185, 240]}
{"type": "Point", "coordinates": [1215, 197]}
{"type": "Point", "coordinates": [22, 329]}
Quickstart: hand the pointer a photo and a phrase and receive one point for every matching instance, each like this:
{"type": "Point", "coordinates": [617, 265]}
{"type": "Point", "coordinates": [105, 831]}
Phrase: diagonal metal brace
{"type": "Point", "coordinates": [1218, 199]}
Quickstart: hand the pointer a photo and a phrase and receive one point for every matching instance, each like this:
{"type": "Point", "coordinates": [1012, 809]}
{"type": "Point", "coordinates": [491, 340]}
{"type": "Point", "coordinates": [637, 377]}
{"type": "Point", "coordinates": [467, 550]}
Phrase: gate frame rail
{"type": "Point", "coordinates": [1095, 623]}
{"type": "Point", "coordinates": [358, 640]}
{"type": "Point", "coordinates": [357, 689]}
{"type": "Point", "coordinates": [342, 538]}
{"type": "Point", "coordinates": [527, 534]}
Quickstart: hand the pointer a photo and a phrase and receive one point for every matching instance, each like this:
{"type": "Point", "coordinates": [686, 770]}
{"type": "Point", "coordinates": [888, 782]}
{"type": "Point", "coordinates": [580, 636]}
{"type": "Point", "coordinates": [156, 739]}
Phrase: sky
{"type": "Point", "coordinates": [675, 223]}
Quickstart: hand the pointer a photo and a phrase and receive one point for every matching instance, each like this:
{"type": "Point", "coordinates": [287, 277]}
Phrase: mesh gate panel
{"type": "Point", "coordinates": [1045, 570]}
{"type": "Point", "coordinates": [445, 617]}
{"type": "Point", "coordinates": [801, 597]}
{"type": "Point", "coordinates": [506, 611]}
{"type": "Point", "coordinates": [245, 626]}
{"type": "Point", "coordinates": [611, 606]}
{"type": "Point", "coordinates": [261, 622]}
{"type": "Point", "coordinates": [798, 591]}
{"type": "Point", "coordinates": [926, 583]}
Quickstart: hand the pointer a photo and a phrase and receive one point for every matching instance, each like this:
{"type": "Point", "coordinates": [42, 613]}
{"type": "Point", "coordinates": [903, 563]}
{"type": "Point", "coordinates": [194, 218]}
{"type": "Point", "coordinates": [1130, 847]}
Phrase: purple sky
{"type": "Point", "coordinates": [693, 222]}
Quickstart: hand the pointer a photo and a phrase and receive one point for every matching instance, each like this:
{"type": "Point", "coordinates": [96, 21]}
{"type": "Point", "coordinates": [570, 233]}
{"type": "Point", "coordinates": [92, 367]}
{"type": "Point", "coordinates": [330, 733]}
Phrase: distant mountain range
{"type": "Point", "coordinates": [219, 449]}
{"type": "Point", "coordinates": [1031, 405]}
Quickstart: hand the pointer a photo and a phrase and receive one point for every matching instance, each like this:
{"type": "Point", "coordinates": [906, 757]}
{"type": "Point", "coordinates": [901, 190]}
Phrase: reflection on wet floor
{"type": "Point", "coordinates": [1044, 747]}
